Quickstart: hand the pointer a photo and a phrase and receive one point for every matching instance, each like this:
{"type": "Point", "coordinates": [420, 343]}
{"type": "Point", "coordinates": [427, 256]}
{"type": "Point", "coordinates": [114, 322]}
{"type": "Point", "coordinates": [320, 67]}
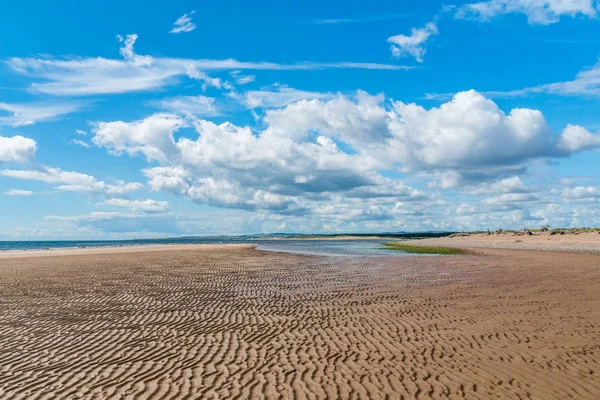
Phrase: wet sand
{"type": "Point", "coordinates": [233, 322]}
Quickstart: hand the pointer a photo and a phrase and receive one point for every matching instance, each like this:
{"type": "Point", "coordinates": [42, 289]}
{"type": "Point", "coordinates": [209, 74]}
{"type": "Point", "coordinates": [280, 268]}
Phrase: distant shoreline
{"type": "Point", "coordinates": [572, 239]}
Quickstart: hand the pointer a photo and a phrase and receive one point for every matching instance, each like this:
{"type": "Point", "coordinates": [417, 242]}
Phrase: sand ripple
{"type": "Point", "coordinates": [240, 323]}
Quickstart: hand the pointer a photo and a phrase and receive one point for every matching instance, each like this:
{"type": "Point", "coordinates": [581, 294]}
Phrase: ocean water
{"type": "Point", "coordinates": [80, 244]}
{"type": "Point", "coordinates": [338, 248]}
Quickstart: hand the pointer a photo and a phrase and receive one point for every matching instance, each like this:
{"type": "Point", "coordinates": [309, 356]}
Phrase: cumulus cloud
{"type": "Point", "coordinates": [152, 136]}
{"type": "Point", "coordinates": [184, 23]}
{"type": "Point", "coordinates": [147, 205]}
{"type": "Point", "coordinates": [73, 181]}
{"type": "Point", "coordinates": [510, 201]}
{"type": "Point", "coordinates": [311, 152]}
{"type": "Point", "coordinates": [17, 149]}
{"type": "Point", "coordinates": [576, 138]}
{"type": "Point", "coordinates": [581, 193]}
{"type": "Point", "coordinates": [414, 44]}
{"type": "Point", "coordinates": [96, 75]}
{"type": "Point", "coordinates": [502, 186]}
{"type": "Point", "coordinates": [231, 166]}
{"type": "Point", "coordinates": [542, 12]}
{"type": "Point", "coordinates": [469, 131]}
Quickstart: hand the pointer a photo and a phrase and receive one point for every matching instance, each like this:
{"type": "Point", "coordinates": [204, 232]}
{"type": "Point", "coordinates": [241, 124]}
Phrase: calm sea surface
{"type": "Point", "coordinates": [316, 247]}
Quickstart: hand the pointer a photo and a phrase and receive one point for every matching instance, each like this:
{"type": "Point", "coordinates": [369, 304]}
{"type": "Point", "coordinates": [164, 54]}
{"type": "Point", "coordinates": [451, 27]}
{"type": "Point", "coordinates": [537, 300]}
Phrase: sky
{"type": "Point", "coordinates": [140, 119]}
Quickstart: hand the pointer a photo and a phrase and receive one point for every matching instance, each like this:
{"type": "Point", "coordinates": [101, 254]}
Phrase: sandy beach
{"type": "Point", "coordinates": [570, 243]}
{"type": "Point", "coordinates": [229, 321]}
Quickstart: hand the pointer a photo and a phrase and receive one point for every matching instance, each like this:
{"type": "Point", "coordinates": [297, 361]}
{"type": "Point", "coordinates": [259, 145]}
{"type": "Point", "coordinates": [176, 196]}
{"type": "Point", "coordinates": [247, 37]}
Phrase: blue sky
{"type": "Point", "coordinates": [151, 119]}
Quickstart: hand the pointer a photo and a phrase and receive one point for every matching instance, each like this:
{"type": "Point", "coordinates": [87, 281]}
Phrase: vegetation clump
{"type": "Point", "coordinates": [421, 249]}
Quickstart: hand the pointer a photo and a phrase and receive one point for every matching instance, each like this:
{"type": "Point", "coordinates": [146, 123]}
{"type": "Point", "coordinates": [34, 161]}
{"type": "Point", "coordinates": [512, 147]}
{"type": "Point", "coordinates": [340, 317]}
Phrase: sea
{"type": "Point", "coordinates": [325, 247]}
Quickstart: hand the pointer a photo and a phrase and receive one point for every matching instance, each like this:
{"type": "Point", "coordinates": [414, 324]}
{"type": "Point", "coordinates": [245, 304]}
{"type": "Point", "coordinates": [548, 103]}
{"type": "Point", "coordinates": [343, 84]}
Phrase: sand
{"type": "Point", "coordinates": [233, 322]}
{"type": "Point", "coordinates": [579, 243]}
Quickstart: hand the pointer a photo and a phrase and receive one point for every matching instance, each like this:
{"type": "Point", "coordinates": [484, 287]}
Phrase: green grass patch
{"type": "Point", "coordinates": [422, 249]}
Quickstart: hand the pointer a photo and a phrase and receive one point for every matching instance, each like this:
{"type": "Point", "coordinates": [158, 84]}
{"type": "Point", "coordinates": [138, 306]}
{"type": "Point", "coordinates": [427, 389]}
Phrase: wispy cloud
{"type": "Point", "coordinates": [540, 12]}
{"type": "Point", "coordinates": [585, 83]}
{"type": "Point", "coordinates": [371, 18]}
{"type": "Point", "coordinates": [278, 96]}
{"type": "Point", "coordinates": [31, 113]}
{"type": "Point", "coordinates": [92, 76]}
{"type": "Point", "coordinates": [241, 79]}
{"type": "Point", "coordinates": [147, 205]}
{"type": "Point", "coordinates": [18, 192]}
{"type": "Point", "coordinates": [190, 105]}
{"type": "Point", "coordinates": [73, 181]}
{"type": "Point", "coordinates": [184, 23]}
{"type": "Point", "coordinates": [80, 143]}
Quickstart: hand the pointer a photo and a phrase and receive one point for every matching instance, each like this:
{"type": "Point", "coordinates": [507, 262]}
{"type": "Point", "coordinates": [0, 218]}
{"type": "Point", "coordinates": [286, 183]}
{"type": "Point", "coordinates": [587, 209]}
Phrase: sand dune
{"type": "Point", "coordinates": [239, 323]}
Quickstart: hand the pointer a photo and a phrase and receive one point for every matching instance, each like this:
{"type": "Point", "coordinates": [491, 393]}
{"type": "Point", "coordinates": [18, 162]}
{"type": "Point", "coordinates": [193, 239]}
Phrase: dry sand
{"type": "Point", "coordinates": [234, 322]}
{"type": "Point", "coordinates": [580, 243]}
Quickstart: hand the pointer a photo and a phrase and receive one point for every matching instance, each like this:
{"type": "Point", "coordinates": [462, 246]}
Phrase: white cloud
{"type": "Point", "coordinates": [508, 200]}
{"type": "Point", "coordinates": [279, 96]}
{"type": "Point", "coordinates": [148, 205]}
{"type": "Point", "coordinates": [543, 12]}
{"type": "Point", "coordinates": [241, 79]}
{"type": "Point", "coordinates": [129, 54]}
{"type": "Point", "coordinates": [503, 186]}
{"type": "Point", "coordinates": [586, 83]}
{"type": "Point", "coordinates": [184, 24]}
{"type": "Point", "coordinates": [17, 149]}
{"type": "Point", "coordinates": [469, 133]}
{"type": "Point", "coordinates": [576, 138]}
{"type": "Point", "coordinates": [80, 143]}
{"type": "Point", "coordinates": [73, 181]}
{"type": "Point", "coordinates": [153, 136]}
{"type": "Point", "coordinates": [313, 152]}
{"type": "Point", "coordinates": [30, 113]}
{"type": "Point", "coordinates": [230, 166]}
{"type": "Point", "coordinates": [581, 193]}
{"type": "Point", "coordinates": [360, 121]}
{"type": "Point", "coordinates": [413, 45]}
{"type": "Point", "coordinates": [200, 106]}
{"type": "Point", "coordinates": [18, 192]}
{"type": "Point", "coordinates": [80, 132]}
{"type": "Point", "coordinates": [368, 18]}
{"type": "Point", "coordinates": [91, 76]}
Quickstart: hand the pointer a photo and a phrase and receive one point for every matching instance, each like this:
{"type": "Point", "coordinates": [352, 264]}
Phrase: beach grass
{"type": "Point", "coordinates": [422, 249]}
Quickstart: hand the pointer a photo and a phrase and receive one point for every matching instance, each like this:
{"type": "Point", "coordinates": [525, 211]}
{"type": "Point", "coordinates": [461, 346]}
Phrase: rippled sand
{"type": "Point", "coordinates": [233, 322]}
